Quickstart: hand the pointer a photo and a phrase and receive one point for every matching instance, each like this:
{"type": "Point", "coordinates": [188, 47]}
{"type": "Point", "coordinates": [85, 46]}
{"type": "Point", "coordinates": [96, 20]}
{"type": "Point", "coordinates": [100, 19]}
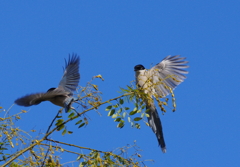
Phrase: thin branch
{"type": "Point", "coordinates": [53, 120]}
{"type": "Point", "coordinates": [60, 148]}
{"type": "Point", "coordinates": [86, 148]}
{"type": "Point", "coordinates": [46, 135]}
{"type": "Point", "coordinates": [21, 152]}
{"type": "Point", "coordinates": [92, 108]}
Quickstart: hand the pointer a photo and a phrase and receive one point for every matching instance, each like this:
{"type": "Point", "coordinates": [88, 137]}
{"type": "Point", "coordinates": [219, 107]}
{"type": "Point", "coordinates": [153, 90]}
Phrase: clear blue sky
{"type": "Point", "coordinates": [111, 37]}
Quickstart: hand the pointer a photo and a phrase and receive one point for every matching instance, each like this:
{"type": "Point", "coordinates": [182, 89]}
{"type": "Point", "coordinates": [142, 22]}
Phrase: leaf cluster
{"type": "Point", "coordinates": [42, 151]}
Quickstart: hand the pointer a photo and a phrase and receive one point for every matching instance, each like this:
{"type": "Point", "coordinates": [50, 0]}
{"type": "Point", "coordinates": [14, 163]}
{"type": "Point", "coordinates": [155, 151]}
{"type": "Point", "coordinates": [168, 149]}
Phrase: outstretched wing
{"type": "Point", "coordinates": [71, 74]}
{"type": "Point", "coordinates": [168, 74]}
{"type": "Point", "coordinates": [36, 98]}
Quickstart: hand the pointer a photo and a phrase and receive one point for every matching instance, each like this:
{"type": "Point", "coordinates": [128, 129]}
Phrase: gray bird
{"type": "Point", "coordinates": [63, 94]}
{"type": "Point", "coordinates": [156, 82]}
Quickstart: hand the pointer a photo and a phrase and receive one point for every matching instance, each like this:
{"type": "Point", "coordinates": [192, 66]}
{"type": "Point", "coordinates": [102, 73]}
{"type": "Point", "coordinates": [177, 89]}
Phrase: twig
{"type": "Point", "coordinates": [46, 135]}
{"type": "Point", "coordinates": [53, 121]}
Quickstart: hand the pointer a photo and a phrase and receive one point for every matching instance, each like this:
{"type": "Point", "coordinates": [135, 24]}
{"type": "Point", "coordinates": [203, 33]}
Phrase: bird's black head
{"type": "Point", "coordinates": [139, 67]}
{"type": "Point", "coordinates": [51, 89]}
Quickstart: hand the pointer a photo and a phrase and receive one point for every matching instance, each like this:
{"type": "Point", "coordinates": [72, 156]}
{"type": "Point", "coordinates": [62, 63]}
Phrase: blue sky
{"type": "Point", "coordinates": [111, 37]}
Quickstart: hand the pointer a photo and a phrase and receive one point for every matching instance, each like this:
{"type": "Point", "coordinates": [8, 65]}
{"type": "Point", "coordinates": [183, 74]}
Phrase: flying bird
{"type": "Point", "coordinates": [63, 94]}
{"type": "Point", "coordinates": [159, 81]}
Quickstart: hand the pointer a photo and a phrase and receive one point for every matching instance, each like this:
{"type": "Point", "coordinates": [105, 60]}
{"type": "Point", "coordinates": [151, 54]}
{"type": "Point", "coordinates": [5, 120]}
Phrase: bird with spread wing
{"type": "Point", "coordinates": [63, 94]}
{"type": "Point", "coordinates": [158, 82]}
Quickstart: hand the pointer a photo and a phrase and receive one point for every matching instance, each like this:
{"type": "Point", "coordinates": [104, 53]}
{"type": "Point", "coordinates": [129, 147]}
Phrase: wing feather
{"type": "Point", "coordinates": [169, 73]}
{"type": "Point", "coordinates": [71, 76]}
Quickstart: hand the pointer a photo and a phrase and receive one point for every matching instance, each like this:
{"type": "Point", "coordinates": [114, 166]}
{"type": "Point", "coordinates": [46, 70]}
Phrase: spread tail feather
{"type": "Point", "coordinates": [155, 123]}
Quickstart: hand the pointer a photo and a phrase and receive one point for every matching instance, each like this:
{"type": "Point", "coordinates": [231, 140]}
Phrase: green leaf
{"type": "Point", "coordinates": [64, 132]}
{"type": "Point", "coordinates": [82, 164]}
{"type": "Point", "coordinates": [117, 120]}
{"type": "Point", "coordinates": [110, 113]}
{"type": "Point", "coordinates": [79, 157]}
{"type": "Point", "coordinates": [124, 114]}
{"type": "Point", "coordinates": [2, 148]}
{"type": "Point", "coordinates": [147, 115]}
{"type": "Point", "coordinates": [59, 122]}
{"type": "Point", "coordinates": [121, 101]}
{"type": "Point", "coordinates": [129, 87]}
{"type": "Point", "coordinates": [129, 119]}
{"type": "Point", "coordinates": [71, 115]}
{"type": "Point", "coordinates": [114, 115]}
{"type": "Point", "coordinates": [4, 157]}
{"type": "Point", "coordinates": [81, 125]}
{"type": "Point", "coordinates": [108, 108]}
{"type": "Point", "coordinates": [126, 108]}
{"type": "Point", "coordinates": [137, 119]}
{"type": "Point", "coordinates": [137, 126]}
{"type": "Point", "coordinates": [138, 111]}
{"type": "Point", "coordinates": [78, 122]}
{"type": "Point", "coordinates": [142, 115]}
{"type": "Point", "coordinates": [135, 109]}
{"type": "Point", "coordinates": [132, 112]}
{"type": "Point", "coordinates": [119, 111]}
{"type": "Point", "coordinates": [115, 106]}
{"type": "Point", "coordinates": [120, 125]}
{"type": "Point", "coordinates": [59, 116]}
{"type": "Point", "coordinates": [70, 132]}
{"type": "Point", "coordinates": [143, 107]}
{"type": "Point", "coordinates": [60, 127]}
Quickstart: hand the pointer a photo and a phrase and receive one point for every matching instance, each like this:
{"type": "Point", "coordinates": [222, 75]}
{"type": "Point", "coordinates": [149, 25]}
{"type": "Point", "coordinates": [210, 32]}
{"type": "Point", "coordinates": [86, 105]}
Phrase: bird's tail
{"type": "Point", "coordinates": [155, 123]}
{"type": "Point", "coordinates": [68, 103]}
